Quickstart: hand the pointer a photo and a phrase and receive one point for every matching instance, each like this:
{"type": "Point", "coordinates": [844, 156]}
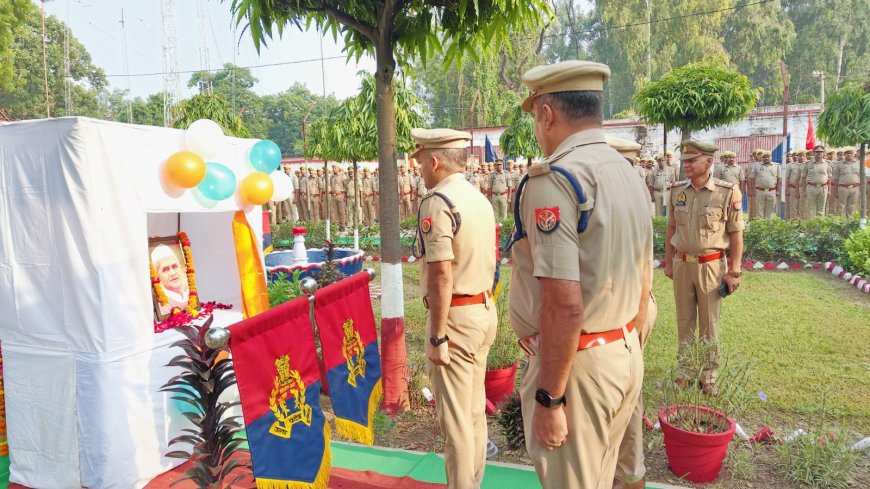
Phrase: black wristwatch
{"type": "Point", "coordinates": [436, 341]}
{"type": "Point", "coordinates": [548, 401]}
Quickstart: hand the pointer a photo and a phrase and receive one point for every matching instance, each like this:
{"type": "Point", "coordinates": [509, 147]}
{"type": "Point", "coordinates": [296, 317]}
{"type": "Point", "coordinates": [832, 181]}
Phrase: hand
{"type": "Point", "coordinates": [439, 355]}
{"type": "Point", "coordinates": [551, 426]}
{"type": "Point", "coordinates": [669, 269]}
{"type": "Point", "coordinates": [733, 282]}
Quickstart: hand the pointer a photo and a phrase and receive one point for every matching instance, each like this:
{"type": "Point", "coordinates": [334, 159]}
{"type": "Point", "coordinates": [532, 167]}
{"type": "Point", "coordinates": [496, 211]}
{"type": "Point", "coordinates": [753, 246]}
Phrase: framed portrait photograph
{"type": "Point", "coordinates": [172, 275]}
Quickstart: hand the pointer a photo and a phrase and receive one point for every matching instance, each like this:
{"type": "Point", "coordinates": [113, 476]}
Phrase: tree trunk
{"type": "Point", "coordinates": [862, 171]}
{"type": "Point", "coordinates": [394, 353]}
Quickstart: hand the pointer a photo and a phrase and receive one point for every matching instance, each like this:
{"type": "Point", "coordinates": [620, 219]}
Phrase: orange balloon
{"type": "Point", "coordinates": [185, 169]}
{"type": "Point", "coordinates": [257, 188]}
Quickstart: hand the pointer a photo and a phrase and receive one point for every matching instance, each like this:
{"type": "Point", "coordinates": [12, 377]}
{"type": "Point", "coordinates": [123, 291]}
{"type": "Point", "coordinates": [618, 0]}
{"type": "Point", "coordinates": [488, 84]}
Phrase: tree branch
{"type": "Point", "coordinates": [347, 20]}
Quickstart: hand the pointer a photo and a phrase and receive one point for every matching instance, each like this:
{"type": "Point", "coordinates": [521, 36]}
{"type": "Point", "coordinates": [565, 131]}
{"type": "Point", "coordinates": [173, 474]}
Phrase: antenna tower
{"type": "Point", "coordinates": [171, 81]}
{"type": "Point", "coordinates": [202, 24]}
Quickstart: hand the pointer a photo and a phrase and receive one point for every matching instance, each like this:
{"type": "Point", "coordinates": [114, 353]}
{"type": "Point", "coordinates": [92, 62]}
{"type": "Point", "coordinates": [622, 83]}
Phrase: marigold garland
{"type": "Point", "coordinates": [180, 318]}
{"type": "Point", "coordinates": [192, 298]}
{"type": "Point", "coordinates": [177, 317]}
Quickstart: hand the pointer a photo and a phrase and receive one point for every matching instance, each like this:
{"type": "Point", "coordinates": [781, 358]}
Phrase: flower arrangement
{"type": "Point", "coordinates": [194, 309]}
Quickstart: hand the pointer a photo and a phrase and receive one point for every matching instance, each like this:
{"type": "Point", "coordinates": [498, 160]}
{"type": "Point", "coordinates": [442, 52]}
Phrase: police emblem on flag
{"type": "Point", "coordinates": [547, 219]}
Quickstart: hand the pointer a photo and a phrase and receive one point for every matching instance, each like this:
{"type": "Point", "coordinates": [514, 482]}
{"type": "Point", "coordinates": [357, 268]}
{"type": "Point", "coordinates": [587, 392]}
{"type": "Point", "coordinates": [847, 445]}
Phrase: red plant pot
{"type": "Point", "coordinates": [500, 383]}
{"type": "Point", "coordinates": [696, 457]}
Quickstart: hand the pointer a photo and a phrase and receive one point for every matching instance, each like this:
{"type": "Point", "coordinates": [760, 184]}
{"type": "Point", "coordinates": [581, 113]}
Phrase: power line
{"type": "Point", "coordinates": [266, 65]}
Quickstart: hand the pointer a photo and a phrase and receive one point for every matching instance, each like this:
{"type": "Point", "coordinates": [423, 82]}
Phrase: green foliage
{"type": "Point", "coordinates": [315, 233]}
{"type": "Point", "coordinates": [696, 96]}
{"type": "Point", "coordinates": [504, 351]}
{"type": "Point", "coordinates": [519, 137]}
{"type": "Point", "coordinates": [660, 229]}
{"type": "Point", "coordinates": [210, 106]}
{"type": "Point", "coordinates": [846, 118]}
{"type": "Point", "coordinates": [815, 240]}
{"type": "Point", "coordinates": [739, 460]}
{"type": "Point", "coordinates": [11, 15]}
{"type": "Point", "coordinates": [733, 399]}
{"type": "Point", "coordinates": [510, 418]}
{"type": "Point", "coordinates": [204, 379]}
{"type": "Point", "coordinates": [383, 424]}
{"type": "Point", "coordinates": [858, 250]}
{"type": "Point", "coordinates": [329, 272]}
{"type": "Point", "coordinates": [821, 458]}
{"type": "Point", "coordinates": [285, 288]}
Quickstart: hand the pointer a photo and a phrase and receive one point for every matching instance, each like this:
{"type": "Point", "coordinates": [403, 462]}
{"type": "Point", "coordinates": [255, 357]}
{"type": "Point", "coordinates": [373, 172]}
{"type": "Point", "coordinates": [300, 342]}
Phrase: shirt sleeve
{"type": "Point", "coordinates": [671, 222]}
{"type": "Point", "coordinates": [550, 217]}
{"type": "Point", "coordinates": [734, 219]}
{"type": "Point", "coordinates": [436, 227]}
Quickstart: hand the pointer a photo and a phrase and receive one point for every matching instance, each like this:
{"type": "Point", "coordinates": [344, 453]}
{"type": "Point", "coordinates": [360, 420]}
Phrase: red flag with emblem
{"type": "Point", "coordinates": [811, 135]}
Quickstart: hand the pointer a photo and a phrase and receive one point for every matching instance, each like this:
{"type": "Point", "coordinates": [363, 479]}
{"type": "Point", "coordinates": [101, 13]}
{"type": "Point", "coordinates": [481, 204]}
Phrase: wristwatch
{"type": "Point", "coordinates": [545, 399]}
{"type": "Point", "coordinates": [736, 274]}
{"type": "Point", "coordinates": [436, 341]}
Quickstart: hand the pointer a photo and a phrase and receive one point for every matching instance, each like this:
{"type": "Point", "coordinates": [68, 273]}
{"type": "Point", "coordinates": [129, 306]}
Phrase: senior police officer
{"type": "Point", "coordinates": [704, 220]}
{"type": "Point", "coordinates": [581, 281]}
{"type": "Point", "coordinates": [455, 241]}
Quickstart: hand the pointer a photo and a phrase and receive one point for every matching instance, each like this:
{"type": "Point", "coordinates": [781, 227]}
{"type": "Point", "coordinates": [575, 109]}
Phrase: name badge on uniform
{"type": "Point", "coordinates": [547, 219]}
{"type": "Point", "coordinates": [426, 225]}
{"type": "Point", "coordinates": [681, 200]}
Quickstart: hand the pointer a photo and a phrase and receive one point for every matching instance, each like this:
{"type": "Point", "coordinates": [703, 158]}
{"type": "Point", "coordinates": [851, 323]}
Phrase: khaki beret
{"type": "Point", "coordinates": [693, 149]}
{"type": "Point", "coordinates": [766, 153]}
{"type": "Point", "coordinates": [728, 154]}
{"type": "Point", "coordinates": [819, 147]}
{"type": "Point", "coordinates": [566, 76]}
{"type": "Point", "coordinates": [626, 148]}
{"type": "Point", "coordinates": [440, 138]}
{"type": "Point", "coordinates": [848, 149]}
{"type": "Point", "coordinates": [831, 151]}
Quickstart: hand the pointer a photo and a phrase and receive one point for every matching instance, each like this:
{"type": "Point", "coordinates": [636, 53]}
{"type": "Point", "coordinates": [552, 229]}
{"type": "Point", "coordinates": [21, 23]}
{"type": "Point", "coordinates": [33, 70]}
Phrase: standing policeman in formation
{"type": "Point", "coordinates": [816, 176]}
{"type": "Point", "coordinates": [847, 180]}
{"type": "Point", "coordinates": [659, 180]}
{"type": "Point", "coordinates": [581, 282]}
{"type": "Point", "coordinates": [367, 191]}
{"type": "Point", "coordinates": [764, 179]}
{"type": "Point", "coordinates": [705, 218]}
{"type": "Point", "coordinates": [630, 469]}
{"type": "Point", "coordinates": [500, 187]}
{"type": "Point", "coordinates": [455, 242]}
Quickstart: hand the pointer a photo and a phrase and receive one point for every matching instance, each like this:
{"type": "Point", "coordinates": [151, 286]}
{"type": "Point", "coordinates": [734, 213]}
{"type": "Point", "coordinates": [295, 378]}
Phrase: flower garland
{"type": "Point", "coordinates": [178, 317]}
{"type": "Point", "coordinates": [192, 298]}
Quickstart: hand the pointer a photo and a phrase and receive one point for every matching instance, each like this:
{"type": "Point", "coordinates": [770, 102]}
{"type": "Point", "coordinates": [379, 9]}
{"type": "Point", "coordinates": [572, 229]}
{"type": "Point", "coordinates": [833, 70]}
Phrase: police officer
{"type": "Point", "coordinates": [659, 180]}
{"type": "Point", "coordinates": [628, 150]}
{"type": "Point", "coordinates": [405, 187]}
{"type": "Point", "coordinates": [337, 195]}
{"type": "Point", "coordinates": [367, 191]}
{"type": "Point", "coordinates": [764, 178]}
{"type": "Point", "coordinates": [314, 194]}
{"type": "Point", "coordinates": [583, 226]}
{"type": "Point", "coordinates": [847, 181]}
{"type": "Point", "coordinates": [419, 189]}
{"type": "Point", "coordinates": [322, 190]}
{"type": "Point", "coordinates": [802, 184]}
{"type": "Point", "coordinates": [816, 177]}
{"type": "Point", "coordinates": [704, 220]}
{"type": "Point", "coordinates": [455, 241]}
{"type": "Point", "coordinates": [500, 186]}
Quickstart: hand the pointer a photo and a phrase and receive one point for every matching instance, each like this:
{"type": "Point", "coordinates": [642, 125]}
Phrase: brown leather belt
{"type": "Point", "coordinates": [587, 340]}
{"type": "Point", "coordinates": [817, 184]}
{"type": "Point", "coordinates": [463, 300]}
{"type": "Point", "coordinates": [699, 258]}
{"type": "Point", "coordinates": [370, 195]}
{"type": "Point", "coordinates": [849, 185]}
{"type": "Point", "coordinates": [766, 189]}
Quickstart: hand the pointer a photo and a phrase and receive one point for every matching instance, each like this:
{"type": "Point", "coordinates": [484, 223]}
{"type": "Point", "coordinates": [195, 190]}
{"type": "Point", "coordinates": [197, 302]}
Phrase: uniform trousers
{"type": "Point", "coordinates": [699, 305]}
{"type": "Point", "coordinates": [460, 403]}
{"type": "Point", "coordinates": [847, 200]}
{"type": "Point", "coordinates": [368, 208]}
{"type": "Point", "coordinates": [816, 198]}
{"type": "Point", "coordinates": [629, 465]}
{"type": "Point", "coordinates": [602, 391]}
{"type": "Point", "coordinates": [406, 209]}
{"type": "Point", "coordinates": [793, 199]}
{"type": "Point", "coordinates": [499, 206]}
{"type": "Point", "coordinates": [659, 198]}
{"type": "Point", "coordinates": [337, 210]}
{"type": "Point", "coordinates": [765, 202]}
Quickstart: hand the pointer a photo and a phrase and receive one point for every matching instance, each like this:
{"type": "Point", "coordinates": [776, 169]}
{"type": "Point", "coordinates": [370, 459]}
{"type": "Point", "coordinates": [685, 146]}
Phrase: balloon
{"type": "Point", "coordinates": [257, 188]}
{"type": "Point", "coordinates": [185, 169]}
{"type": "Point", "coordinates": [204, 137]}
{"type": "Point", "coordinates": [265, 156]}
{"type": "Point", "coordinates": [283, 186]}
{"type": "Point", "coordinates": [219, 182]}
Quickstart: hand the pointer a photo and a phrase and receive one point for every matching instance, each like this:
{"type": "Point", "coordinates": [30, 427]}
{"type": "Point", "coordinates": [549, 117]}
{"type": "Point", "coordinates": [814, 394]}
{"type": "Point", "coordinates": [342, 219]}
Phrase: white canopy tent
{"type": "Point", "coordinates": [78, 200]}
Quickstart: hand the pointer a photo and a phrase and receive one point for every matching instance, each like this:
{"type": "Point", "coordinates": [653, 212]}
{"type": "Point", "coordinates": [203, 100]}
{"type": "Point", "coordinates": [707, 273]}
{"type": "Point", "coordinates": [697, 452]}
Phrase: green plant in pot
{"type": "Point", "coordinates": [501, 363]}
{"type": "Point", "coordinates": [697, 427]}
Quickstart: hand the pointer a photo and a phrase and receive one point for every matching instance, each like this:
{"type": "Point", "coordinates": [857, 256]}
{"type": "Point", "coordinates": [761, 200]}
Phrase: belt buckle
{"type": "Point", "coordinates": [691, 259]}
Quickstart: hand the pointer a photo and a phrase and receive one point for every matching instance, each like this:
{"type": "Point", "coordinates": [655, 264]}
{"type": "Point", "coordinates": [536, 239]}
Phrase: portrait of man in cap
{"type": "Point", "coordinates": [167, 258]}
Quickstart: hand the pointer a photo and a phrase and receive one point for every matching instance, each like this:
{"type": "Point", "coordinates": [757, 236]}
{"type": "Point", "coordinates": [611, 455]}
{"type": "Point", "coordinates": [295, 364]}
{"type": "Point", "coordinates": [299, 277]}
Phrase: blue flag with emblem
{"type": "Point", "coordinates": [778, 158]}
{"type": "Point", "coordinates": [489, 155]}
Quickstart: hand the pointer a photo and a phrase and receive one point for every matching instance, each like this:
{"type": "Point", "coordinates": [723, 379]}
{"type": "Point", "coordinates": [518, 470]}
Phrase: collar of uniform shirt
{"type": "Point", "coordinates": [710, 185]}
{"type": "Point", "coordinates": [585, 136]}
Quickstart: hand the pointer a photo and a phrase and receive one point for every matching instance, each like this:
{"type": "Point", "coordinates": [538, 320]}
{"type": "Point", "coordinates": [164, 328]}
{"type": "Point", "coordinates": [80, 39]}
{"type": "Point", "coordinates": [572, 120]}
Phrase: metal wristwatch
{"type": "Point", "coordinates": [436, 341]}
{"type": "Point", "coordinates": [545, 399]}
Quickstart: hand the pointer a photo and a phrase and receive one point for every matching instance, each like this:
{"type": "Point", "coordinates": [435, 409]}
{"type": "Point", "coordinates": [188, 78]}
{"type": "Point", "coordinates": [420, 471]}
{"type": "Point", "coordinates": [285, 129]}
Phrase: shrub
{"type": "Point", "coordinates": [819, 460]}
{"type": "Point", "coordinates": [858, 251]}
{"type": "Point", "coordinates": [510, 418]}
{"type": "Point", "coordinates": [282, 234]}
{"type": "Point", "coordinates": [504, 351]}
{"type": "Point", "coordinates": [284, 288]}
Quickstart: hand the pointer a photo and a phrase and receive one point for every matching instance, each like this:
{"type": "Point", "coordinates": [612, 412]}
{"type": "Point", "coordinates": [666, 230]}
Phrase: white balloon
{"type": "Point", "coordinates": [205, 138]}
{"type": "Point", "coordinates": [283, 186]}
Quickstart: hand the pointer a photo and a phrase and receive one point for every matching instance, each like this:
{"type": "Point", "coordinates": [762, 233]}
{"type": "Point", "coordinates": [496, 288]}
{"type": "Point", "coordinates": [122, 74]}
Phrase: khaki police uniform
{"type": "Point", "coordinates": [420, 192]}
{"type": "Point", "coordinates": [467, 242]}
{"type": "Point", "coordinates": [367, 191]}
{"type": "Point", "coordinates": [848, 178]}
{"type": "Point", "coordinates": [294, 197]}
{"type": "Point", "coordinates": [322, 189]}
{"type": "Point", "coordinates": [731, 174]}
{"type": "Point", "coordinates": [831, 206]}
{"type": "Point", "coordinates": [702, 219]}
{"type": "Point", "coordinates": [792, 179]}
{"type": "Point", "coordinates": [337, 195]}
{"type": "Point", "coordinates": [314, 194]}
{"type": "Point", "coordinates": [659, 180]}
{"type": "Point", "coordinates": [405, 188]}
{"type": "Point", "coordinates": [607, 259]}
{"type": "Point", "coordinates": [765, 177]}
{"type": "Point", "coordinates": [802, 185]}
{"type": "Point", "coordinates": [499, 184]}
{"type": "Point", "coordinates": [816, 177]}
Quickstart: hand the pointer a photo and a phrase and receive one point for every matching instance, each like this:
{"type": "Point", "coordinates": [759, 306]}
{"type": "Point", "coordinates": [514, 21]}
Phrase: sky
{"type": "Point", "coordinates": [97, 25]}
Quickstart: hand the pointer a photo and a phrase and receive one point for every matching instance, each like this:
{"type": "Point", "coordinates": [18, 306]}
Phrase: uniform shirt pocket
{"type": "Point", "coordinates": [712, 219]}
{"type": "Point", "coordinates": [681, 215]}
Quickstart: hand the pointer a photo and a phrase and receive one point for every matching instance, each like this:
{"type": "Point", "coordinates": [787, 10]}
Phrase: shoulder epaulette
{"type": "Point", "coordinates": [677, 184]}
{"type": "Point", "coordinates": [723, 183]}
{"type": "Point", "coordinates": [539, 169]}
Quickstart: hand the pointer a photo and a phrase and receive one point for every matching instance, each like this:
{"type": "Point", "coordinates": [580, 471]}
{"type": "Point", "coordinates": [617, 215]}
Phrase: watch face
{"type": "Point", "coordinates": [543, 399]}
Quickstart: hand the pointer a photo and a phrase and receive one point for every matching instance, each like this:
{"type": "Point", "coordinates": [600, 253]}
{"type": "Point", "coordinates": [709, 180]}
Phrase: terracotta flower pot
{"type": "Point", "coordinates": [697, 457]}
{"type": "Point", "coordinates": [500, 383]}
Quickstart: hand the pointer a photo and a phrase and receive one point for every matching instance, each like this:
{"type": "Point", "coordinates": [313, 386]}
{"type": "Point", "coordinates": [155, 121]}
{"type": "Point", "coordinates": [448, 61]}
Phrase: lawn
{"type": "Point", "coordinates": [805, 333]}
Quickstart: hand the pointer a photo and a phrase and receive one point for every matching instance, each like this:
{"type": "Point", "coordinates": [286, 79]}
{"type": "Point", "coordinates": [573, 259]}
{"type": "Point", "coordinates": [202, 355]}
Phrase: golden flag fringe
{"type": "Point", "coordinates": [319, 482]}
{"type": "Point", "coordinates": [252, 277]}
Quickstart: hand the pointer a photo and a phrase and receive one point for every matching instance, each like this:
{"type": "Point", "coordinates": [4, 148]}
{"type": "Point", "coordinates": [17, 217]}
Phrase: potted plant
{"type": "Point", "coordinates": [697, 427]}
{"type": "Point", "coordinates": [501, 363]}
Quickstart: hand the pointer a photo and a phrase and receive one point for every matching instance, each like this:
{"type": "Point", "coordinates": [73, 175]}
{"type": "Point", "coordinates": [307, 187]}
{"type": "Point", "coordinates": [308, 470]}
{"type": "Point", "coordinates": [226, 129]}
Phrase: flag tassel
{"type": "Point", "coordinates": [319, 482]}
{"type": "Point", "coordinates": [352, 430]}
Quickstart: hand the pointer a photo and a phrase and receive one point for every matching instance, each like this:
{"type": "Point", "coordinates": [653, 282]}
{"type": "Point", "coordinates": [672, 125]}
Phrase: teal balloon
{"type": "Point", "coordinates": [265, 156]}
{"type": "Point", "coordinates": [219, 182]}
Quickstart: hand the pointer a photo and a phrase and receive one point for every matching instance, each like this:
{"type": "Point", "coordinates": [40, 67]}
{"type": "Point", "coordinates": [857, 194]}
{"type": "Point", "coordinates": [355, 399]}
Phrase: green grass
{"type": "Point", "coordinates": [805, 332]}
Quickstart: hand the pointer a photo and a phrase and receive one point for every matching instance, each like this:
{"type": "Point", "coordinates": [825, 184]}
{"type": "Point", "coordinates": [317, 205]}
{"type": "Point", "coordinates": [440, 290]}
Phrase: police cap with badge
{"type": "Point", "coordinates": [692, 149]}
{"type": "Point", "coordinates": [628, 149]}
